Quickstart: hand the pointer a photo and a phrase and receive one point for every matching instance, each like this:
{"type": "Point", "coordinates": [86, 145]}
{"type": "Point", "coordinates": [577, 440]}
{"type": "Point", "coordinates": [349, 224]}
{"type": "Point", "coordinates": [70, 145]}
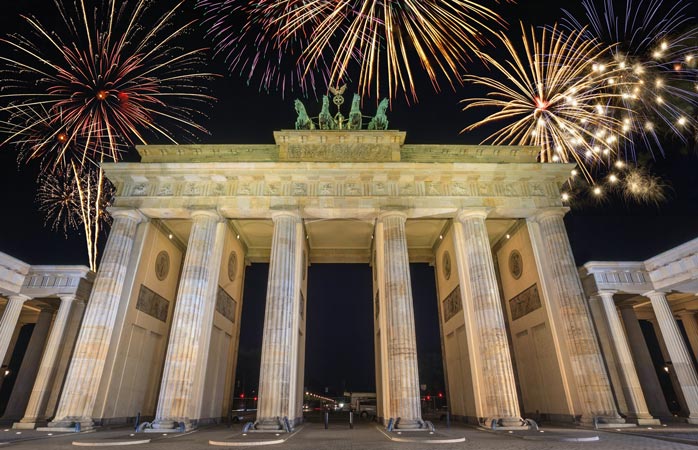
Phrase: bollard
{"type": "Point", "coordinates": [327, 419]}
{"type": "Point", "coordinates": [448, 419]}
{"type": "Point", "coordinates": [351, 420]}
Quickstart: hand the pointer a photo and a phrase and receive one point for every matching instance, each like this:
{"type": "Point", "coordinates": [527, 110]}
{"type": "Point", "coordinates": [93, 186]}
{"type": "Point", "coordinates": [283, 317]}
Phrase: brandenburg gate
{"type": "Point", "coordinates": [160, 331]}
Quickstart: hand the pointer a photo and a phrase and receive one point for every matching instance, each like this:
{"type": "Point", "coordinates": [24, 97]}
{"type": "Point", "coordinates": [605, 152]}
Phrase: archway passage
{"type": "Point", "coordinates": [339, 345]}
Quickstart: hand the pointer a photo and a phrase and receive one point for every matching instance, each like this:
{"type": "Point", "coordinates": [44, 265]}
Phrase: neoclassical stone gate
{"type": "Point", "coordinates": [160, 333]}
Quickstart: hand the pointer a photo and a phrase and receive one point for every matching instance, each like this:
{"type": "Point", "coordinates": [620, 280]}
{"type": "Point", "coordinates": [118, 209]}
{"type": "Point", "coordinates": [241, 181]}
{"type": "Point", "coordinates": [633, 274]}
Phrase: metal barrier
{"type": "Point", "coordinates": [142, 426]}
{"type": "Point", "coordinates": [351, 420]}
{"type": "Point", "coordinates": [247, 427]}
{"type": "Point", "coordinates": [327, 419]}
{"type": "Point", "coordinates": [429, 425]}
{"type": "Point", "coordinates": [287, 425]}
{"type": "Point", "coordinates": [138, 420]}
{"type": "Point", "coordinates": [448, 419]}
{"type": "Point", "coordinates": [532, 424]}
{"type": "Point", "coordinates": [391, 424]}
{"type": "Point", "coordinates": [77, 427]}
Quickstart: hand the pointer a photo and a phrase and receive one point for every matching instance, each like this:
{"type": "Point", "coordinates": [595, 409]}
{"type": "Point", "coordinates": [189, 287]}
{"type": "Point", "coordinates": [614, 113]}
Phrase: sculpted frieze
{"type": "Point", "coordinates": [351, 188]}
{"type": "Point", "coordinates": [300, 189]}
{"type": "Point", "coordinates": [339, 152]}
{"type": "Point", "coordinates": [193, 189]}
{"type": "Point", "coordinates": [326, 189]}
{"type": "Point", "coordinates": [165, 190]}
{"type": "Point", "coordinates": [139, 190]}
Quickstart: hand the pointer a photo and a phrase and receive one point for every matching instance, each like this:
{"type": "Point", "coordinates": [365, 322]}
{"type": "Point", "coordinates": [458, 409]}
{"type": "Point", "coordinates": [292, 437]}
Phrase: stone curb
{"type": "Point", "coordinates": [425, 441]}
{"type": "Point", "coordinates": [243, 443]}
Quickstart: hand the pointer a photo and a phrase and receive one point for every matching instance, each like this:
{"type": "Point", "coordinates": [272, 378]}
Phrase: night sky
{"type": "Point", "coordinates": [340, 334]}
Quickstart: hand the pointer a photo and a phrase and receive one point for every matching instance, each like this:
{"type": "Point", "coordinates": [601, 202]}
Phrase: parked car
{"type": "Point", "coordinates": [367, 408]}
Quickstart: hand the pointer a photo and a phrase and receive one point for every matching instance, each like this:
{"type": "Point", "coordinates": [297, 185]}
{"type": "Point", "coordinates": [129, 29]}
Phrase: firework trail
{"type": "Point", "coordinates": [376, 42]}
{"type": "Point", "coordinates": [77, 199]}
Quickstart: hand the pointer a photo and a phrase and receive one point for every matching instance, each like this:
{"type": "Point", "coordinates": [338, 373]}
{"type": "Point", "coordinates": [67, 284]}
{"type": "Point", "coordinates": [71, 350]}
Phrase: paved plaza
{"type": "Point", "coordinates": [364, 436]}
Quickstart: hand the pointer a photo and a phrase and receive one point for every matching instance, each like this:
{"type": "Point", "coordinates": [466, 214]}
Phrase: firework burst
{"type": "Point", "coordinates": [377, 42]}
{"type": "Point", "coordinates": [105, 80]}
{"type": "Point", "coordinates": [655, 44]}
{"type": "Point", "coordinates": [552, 98]}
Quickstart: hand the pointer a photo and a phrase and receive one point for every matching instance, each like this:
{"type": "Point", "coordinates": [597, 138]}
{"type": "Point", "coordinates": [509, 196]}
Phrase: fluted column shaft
{"type": "Point", "coordinates": [192, 320]}
{"type": "Point", "coordinates": [654, 395]}
{"type": "Point", "coordinates": [676, 347]}
{"type": "Point", "coordinates": [632, 390]}
{"type": "Point", "coordinates": [688, 318]}
{"type": "Point", "coordinates": [587, 368]}
{"type": "Point", "coordinates": [283, 290]}
{"type": "Point", "coordinates": [44, 379]}
{"type": "Point", "coordinates": [87, 365]}
{"type": "Point", "coordinates": [477, 275]}
{"type": "Point", "coordinates": [402, 343]}
{"type": "Point", "coordinates": [8, 323]}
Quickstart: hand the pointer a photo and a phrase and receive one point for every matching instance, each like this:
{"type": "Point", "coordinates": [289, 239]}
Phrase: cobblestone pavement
{"type": "Point", "coordinates": [363, 437]}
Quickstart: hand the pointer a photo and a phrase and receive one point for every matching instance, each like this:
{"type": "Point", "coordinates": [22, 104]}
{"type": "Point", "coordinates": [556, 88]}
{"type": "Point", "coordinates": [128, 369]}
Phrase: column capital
{"type": "Point", "coordinates": [464, 214]}
{"type": "Point", "coordinates": [557, 211]}
{"type": "Point", "coordinates": [606, 293]}
{"type": "Point", "coordinates": [19, 298]}
{"type": "Point", "coordinates": [67, 298]}
{"type": "Point", "coordinates": [127, 213]}
{"type": "Point", "coordinates": [654, 294]}
{"type": "Point", "coordinates": [392, 213]}
{"type": "Point", "coordinates": [276, 215]}
{"type": "Point", "coordinates": [211, 213]}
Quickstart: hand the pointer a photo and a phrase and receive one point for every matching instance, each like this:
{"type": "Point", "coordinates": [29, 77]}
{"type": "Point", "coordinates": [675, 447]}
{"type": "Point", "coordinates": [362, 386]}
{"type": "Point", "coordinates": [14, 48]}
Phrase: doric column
{"type": "Point", "coordinates": [688, 318]}
{"type": "Point", "coordinates": [478, 280]}
{"type": "Point", "coordinates": [564, 289]}
{"type": "Point", "coordinates": [29, 367]}
{"type": "Point", "coordinates": [676, 347]}
{"type": "Point", "coordinates": [403, 377]}
{"type": "Point", "coordinates": [87, 364]}
{"type": "Point", "coordinates": [44, 379]}
{"type": "Point", "coordinates": [8, 323]}
{"type": "Point", "coordinates": [283, 294]}
{"type": "Point", "coordinates": [644, 365]}
{"type": "Point", "coordinates": [630, 383]}
{"type": "Point", "coordinates": [183, 376]}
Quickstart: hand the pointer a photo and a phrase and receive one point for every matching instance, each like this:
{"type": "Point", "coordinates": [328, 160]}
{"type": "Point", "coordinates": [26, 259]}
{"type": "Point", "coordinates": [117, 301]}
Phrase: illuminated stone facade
{"type": "Point", "coordinates": [161, 329]}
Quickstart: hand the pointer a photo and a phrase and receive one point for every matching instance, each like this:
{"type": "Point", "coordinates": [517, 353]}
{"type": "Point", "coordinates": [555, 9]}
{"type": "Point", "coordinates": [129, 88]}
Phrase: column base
{"type": "Point", "coordinates": [648, 421]}
{"type": "Point", "coordinates": [269, 424]}
{"type": "Point", "coordinates": [171, 425]}
{"type": "Point", "coordinates": [26, 425]}
{"type": "Point", "coordinates": [409, 424]}
{"type": "Point", "coordinates": [504, 423]}
{"type": "Point", "coordinates": [692, 420]}
{"type": "Point", "coordinates": [70, 424]}
{"type": "Point", "coordinates": [604, 422]}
